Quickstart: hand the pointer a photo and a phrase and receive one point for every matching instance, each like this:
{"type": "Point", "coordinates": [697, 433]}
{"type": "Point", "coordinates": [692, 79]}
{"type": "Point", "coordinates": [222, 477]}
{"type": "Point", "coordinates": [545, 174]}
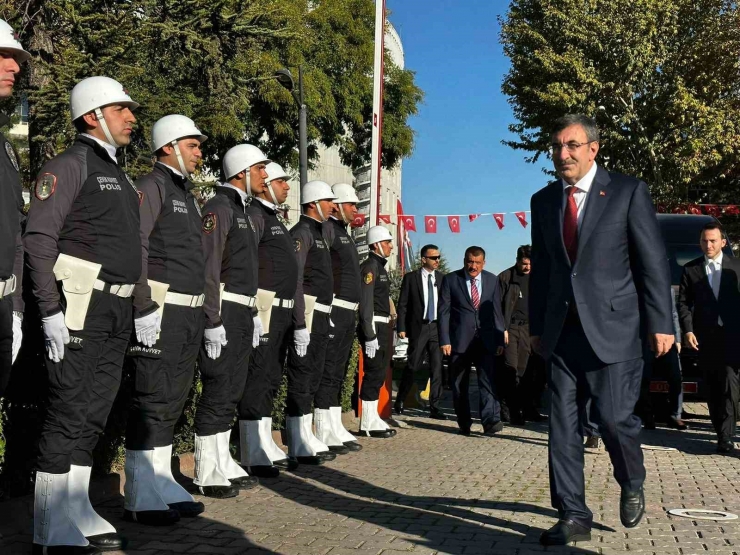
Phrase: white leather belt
{"type": "Point", "coordinates": [283, 303]}
{"type": "Point", "coordinates": [245, 300]}
{"type": "Point", "coordinates": [181, 299]}
{"type": "Point", "coordinates": [325, 308]}
{"type": "Point", "coordinates": [124, 290]}
{"type": "Point", "coordinates": [345, 304]}
{"type": "Point", "coordinates": [7, 286]}
{"type": "Point", "coordinates": [383, 319]}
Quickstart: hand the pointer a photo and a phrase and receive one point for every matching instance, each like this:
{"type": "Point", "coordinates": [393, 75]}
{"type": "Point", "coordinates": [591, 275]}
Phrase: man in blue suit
{"type": "Point", "coordinates": [471, 332]}
{"type": "Point", "coordinates": [599, 275]}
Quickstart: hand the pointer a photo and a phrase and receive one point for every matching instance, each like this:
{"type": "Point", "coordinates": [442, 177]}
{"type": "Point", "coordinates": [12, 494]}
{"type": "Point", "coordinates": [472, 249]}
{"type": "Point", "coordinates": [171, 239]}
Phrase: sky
{"type": "Point", "coordinates": [459, 165]}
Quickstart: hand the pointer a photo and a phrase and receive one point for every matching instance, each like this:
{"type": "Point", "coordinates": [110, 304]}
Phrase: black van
{"type": "Point", "coordinates": [681, 238]}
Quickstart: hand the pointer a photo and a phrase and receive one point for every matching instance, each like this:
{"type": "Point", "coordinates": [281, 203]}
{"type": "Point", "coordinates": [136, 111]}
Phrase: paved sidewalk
{"type": "Point", "coordinates": [429, 490]}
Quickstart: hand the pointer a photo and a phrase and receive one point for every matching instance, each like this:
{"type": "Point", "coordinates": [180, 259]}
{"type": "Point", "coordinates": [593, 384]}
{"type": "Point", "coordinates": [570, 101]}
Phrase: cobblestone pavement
{"type": "Point", "coordinates": [429, 490]}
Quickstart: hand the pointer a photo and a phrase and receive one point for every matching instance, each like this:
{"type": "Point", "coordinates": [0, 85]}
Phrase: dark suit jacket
{"type": "Point", "coordinates": [621, 267]}
{"type": "Point", "coordinates": [411, 303]}
{"type": "Point", "coordinates": [698, 309]}
{"type": "Point", "coordinates": [460, 323]}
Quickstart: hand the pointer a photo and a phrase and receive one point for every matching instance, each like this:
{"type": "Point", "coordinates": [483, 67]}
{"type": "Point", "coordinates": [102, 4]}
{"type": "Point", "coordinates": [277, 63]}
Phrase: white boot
{"type": "Point", "coordinates": [81, 510]}
{"type": "Point", "coordinates": [171, 491]}
{"type": "Point", "coordinates": [378, 422]}
{"type": "Point", "coordinates": [324, 427]}
{"type": "Point", "coordinates": [208, 470]}
{"type": "Point", "coordinates": [52, 523]}
{"type": "Point", "coordinates": [140, 490]}
{"type": "Point", "coordinates": [252, 450]}
{"type": "Point", "coordinates": [276, 454]}
{"type": "Point", "coordinates": [366, 420]}
{"type": "Point", "coordinates": [228, 465]}
{"type": "Point", "coordinates": [316, 444]}
{"type": "Point", "coordinates": [339, 430]}
{"type": "Point", "coordinates": [299, 444]}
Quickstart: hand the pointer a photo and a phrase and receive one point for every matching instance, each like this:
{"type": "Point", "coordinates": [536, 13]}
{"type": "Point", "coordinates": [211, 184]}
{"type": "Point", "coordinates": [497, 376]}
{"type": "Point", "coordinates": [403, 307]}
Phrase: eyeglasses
{"type": "Point", "coordinates": [572, 146]}
{"type": "Point", "coordinates": [432, 257]}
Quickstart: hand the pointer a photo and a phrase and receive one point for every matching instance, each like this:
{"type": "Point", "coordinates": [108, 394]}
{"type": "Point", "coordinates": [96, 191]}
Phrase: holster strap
{"type": "Point", "coordinates": [181, 299]}
{"type": "Point", "coordinates": [382, 319]}
{"type": "Point", "coordinates": [7, 286]}
{"type": "Point", "coordinates": [283, 303]}
{"type": "Point", "coordinates": [123, 290]}
{"type": "Point", "coordinates": [325, 308]}
{"type": "Point", "coordinates": [345, 304]}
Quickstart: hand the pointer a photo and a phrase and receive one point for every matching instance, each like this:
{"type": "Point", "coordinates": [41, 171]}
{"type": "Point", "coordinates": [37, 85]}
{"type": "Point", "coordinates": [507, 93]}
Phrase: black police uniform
{"type": "Point", "coordinates": [172, 253]}
{"type": "Point", "coordinates": [346, 271]}
{"type": "Point", "coordinates": [11, 249]}
{"type": "Point", "coordinates": [230, 241]}
{"type": "Point", "coordinates": [314, 278]}
{"type": "Point", "coordinates": [374, 302]}
{"type": "Point", "coordinates": [278, 272]}
{"type": "Point", "coordinates": [84, 205]}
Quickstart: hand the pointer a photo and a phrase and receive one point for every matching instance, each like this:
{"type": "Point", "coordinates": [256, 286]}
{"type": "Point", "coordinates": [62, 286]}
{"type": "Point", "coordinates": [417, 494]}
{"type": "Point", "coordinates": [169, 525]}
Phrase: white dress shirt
{"type": "Point", "coordinates": [425, 291]}
{"type": "Point", "coordinates": [109, 148]}
{"type": "Point", "coordinates": [174, 170]}
{"type": "Point", "coordinates": [478, 283]}
{"type": "Point", "coordinates": [584, 186]}
{"type": "Point", "coordinates": [713, 268]}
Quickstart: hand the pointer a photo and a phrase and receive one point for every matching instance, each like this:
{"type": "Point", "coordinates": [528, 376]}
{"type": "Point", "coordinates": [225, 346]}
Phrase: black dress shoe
{"type": "Point", "coordinates": [397, 409]}
{"type": "Point", "coordinates": [339, 449]}
{"type": "Point", "coordinates": [152, 518]}
{"type": "Point", "coordinates": [288, 463]}
{"type": "Point", "coordinates": [353, 446]}
{"type": "Point", "coordinates": [648, 423]}
{"type": "Point", "coordinates": [310, 460]}
{"type": "Point", "coordinates": [245, 482]}
{"type": "Point", "coordinates": [437, 415]}
{"type": "Point", "coordinates": [380, 433]}
{"type": "Point", "coordinates": [64, 550]}
{"type": "Point", "coordinates": [517, 419]}
{"type": "Point", "coordinates": [534, 416]}
{"type": "Point", "coordinates": [505, 414]}
{"type": "Point", "coordinates": [464, 432]}
{"type": "Point", "coordinates": [491, 429]}
{"type": "Point", "coordinates": [677, 424]}
{"type": "Point", "coordinates": [326, 455]}
{"type": "Point", "coordinates": [631, 507]}
{"type": "Point", "coordinates": [564, 532]}
{"type": "Point", "coordinates": [264, 471]}
{"type": "Point", "coordinates": [188, 509]}
{"type": "Point", "coordinates": [725, 446]}
{"type": "Point", "coordinates": [107, 542]}
{"type": "Point", "coordinates": [219, 492]}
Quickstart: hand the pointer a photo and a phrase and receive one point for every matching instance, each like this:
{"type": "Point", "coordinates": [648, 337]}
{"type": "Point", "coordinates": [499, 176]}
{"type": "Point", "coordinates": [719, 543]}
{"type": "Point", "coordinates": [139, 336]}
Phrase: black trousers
{"type": "Point", "coordinates": [511, 377]}
{"type": "Point", "coordinates": [84, 384]}
{"type": "Point", "coordinates": [304, 373]}
{"type": "Point", "coordinates": [670, 367]}
{"type": "Point", "coordinates": [724, 384]}
{"type": "Point", "coordinates": [163, 376]}
{"type": "Point", "coordinates": [374, 369]}
{"type": "Point", "coordinates": [266, 369]}
{"type": "Point", "coordinates": [6, 341]}
{"type": "Point", "coordinates": [426, 344]}
{"type": "Point", "coordinates": [223, 379]}
{"type": "Point", "coordinates": [489, 405]}
{"type": "Point", "coordinates": [576, 374]}
{"type": "Point", "coordinates": [338, 348]}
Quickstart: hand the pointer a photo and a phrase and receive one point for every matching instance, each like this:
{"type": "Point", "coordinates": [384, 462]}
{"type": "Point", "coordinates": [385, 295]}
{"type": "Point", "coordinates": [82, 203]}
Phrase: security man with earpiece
{"type": "Point", "coordinates": [168, 320]}
{"type": "Point", "coordinates": [82, 237]}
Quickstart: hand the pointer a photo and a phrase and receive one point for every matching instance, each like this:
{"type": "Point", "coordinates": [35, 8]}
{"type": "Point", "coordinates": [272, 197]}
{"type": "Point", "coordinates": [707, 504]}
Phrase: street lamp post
{"type": "Point", "coordinates": [285, 78]}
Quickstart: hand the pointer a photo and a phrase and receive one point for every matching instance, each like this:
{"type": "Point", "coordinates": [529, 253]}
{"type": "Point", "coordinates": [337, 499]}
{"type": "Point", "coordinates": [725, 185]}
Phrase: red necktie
{"type": "Point", "coordinates": [570, 225]}
{"type": "Point", "coordinates": [474, 295]}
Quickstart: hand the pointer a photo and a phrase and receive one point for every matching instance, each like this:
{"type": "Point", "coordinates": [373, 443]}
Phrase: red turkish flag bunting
{"type": "Point", "coordinates": [409, 222]}
{"type": "Point", "coordinates": [454, 222]}
{"type": "Point", "coordinates": [499, 220]}
{"type": "Point", "coordinates": [384, 218]}
{"type": "Point", "coordinates": [430, 224]}
{"type": "Point", "coordinates": [473, 217]}
{"type": "Point", "coordinates": [522, 217]}
{"type": "Point", "coordinates": [359, 220]}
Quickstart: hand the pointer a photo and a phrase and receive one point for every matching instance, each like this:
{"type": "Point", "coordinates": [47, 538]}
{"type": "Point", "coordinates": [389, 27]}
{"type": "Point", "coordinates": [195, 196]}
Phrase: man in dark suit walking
{"type": "Point", "coordinates": [471, 332]}
{"type": "Point", "coordinates": [709, 311]}
{"type": "Point", "coordinates": [417, 320]}
{"type": "Point", "coordinates": [599, 269]}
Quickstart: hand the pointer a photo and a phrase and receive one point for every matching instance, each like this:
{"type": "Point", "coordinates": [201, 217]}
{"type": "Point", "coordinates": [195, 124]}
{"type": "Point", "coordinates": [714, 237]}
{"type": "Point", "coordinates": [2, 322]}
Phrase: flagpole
{"type": "Point", "coordinates": [377, 112]}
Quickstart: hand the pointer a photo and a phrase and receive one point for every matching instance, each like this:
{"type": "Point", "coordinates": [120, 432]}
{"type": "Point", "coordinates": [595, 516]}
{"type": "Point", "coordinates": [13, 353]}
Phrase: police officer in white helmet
{"type": "Point", "coordinates": [83, 231]}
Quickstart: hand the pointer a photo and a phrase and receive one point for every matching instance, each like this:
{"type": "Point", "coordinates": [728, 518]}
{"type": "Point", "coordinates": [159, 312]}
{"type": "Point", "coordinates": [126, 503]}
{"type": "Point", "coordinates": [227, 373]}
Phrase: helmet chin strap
{"type": "Point", "coordinates": [180, 161]}
{"type": "Point", "coordinates": [272, 195]}
{"type": "Point", "coordinates": [104, 127]}
{"type": "Point", "coordinates": [320, 211]}
{"type": "Point", "coordinates": [380, 252]}
{"type": "Point", "coordinates": [344, 216]}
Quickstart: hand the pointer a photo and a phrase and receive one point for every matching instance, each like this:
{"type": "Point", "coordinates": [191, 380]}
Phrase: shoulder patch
{"type": "Point", "coordinates": [45, 186]}
{"type": "Point", "coordinates": [297, 245]}
{"type": "Point", "coordinates": [369, 277]}
{"type": "Point", "coordinates": [209, 222]}
{"type": "Point", "coordinates": [11, 155]}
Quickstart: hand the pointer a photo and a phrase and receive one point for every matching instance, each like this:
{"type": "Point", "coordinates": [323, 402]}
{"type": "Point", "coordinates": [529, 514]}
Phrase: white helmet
{"type": "Point", "coordinates": [378, 233]}
{"type": "Point", "coordinates": [344, 193]}
{"type": "Point", "coordinates": [274, 171]}
{"type": "Point", "coordinates": [169, 130]}
{"type": "Point", "coordinates": [240, 157]}
{"type": "Point", "coordinates": [9, 41]}
{"type": "Point", "coordinates": [314, 191]}
{"type": "Point", "coordinates": [92, 94]}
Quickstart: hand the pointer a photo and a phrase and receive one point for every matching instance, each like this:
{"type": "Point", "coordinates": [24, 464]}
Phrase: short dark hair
{"type": "Point", "coordinates": [80, 125]}
{"type": "Point", "coordinates": [475, 251]}
{"type": "Point", "coordinates": [525, 251]}
{"type": "Point", "coordinates": [588, 124]}
{"type": "Point", "coordinates": [712, 225]}
{"type": "Point", "coordinates": [426, 248]}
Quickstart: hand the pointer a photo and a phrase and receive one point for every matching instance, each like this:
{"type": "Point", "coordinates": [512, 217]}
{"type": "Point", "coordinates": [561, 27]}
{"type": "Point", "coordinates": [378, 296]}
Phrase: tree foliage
{"type": "Point", "coordinates": [212, 60]}
{"type": "Point", "coordinates": [661, 77]}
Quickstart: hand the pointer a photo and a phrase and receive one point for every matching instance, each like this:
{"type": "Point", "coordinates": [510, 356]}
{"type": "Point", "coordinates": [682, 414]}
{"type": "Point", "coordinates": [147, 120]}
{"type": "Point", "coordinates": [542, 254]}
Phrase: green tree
{"type": "Point", "coordinates": [661, 77]}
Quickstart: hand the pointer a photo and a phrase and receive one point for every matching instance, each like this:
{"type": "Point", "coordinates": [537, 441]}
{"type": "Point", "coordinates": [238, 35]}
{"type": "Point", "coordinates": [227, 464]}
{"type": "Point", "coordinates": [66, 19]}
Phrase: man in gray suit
{"type": "Point", "coordinates": [599, 273]}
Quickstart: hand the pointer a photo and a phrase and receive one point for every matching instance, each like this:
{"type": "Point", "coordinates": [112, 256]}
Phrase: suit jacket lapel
{"type": "Point", "coordinates": [464, 285]}
{"type": "Point", "coordinates": [595, 204]}
{"type": "Point", "coordinates": [420, 286]}
{"type": "Point", "coordinates": [554, 205]}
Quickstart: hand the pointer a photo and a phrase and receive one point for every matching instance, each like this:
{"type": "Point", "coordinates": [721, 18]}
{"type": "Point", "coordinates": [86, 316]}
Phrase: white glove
{"type": "Point", "coordinates": [371, 347]}
{"type": "Point", "coordinates": [147, 328]}
{"type": "Point", "coordinates": [17, 335]}
{"type": "Point", "coordinates": [215, 339]}
{"type": "Point", "coordinates": [301, 338]}
{"type": "Point", "coordinates": [259, 331]}
{"type": "Point", "coordinates": [56, 335]}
